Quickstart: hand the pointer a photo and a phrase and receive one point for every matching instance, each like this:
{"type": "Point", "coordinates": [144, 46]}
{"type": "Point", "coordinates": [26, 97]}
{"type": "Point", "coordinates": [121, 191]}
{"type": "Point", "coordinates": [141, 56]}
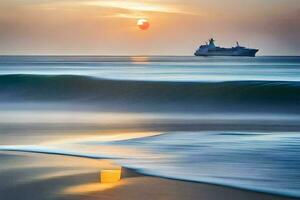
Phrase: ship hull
{"type": "Point", "coordinates": [242, 53]}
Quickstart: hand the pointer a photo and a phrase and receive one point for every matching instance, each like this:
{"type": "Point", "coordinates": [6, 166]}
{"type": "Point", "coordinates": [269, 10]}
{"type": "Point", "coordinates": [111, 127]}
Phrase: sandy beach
{"type": "Point", "coordinates": [36, 177]}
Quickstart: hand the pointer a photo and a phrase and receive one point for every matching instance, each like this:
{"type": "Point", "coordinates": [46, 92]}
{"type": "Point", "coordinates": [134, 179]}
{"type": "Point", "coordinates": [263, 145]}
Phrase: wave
{"type": "Point", "coordinates": [51, 151]}
{"type": "Point", "coordinates": [70, 88]}
{"type": "Point", "coordinates": [237, 159]}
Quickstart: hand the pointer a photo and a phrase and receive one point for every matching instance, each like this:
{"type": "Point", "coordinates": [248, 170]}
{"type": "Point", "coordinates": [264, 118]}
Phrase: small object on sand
{"type": "Point", "coordinates": [110, 175]}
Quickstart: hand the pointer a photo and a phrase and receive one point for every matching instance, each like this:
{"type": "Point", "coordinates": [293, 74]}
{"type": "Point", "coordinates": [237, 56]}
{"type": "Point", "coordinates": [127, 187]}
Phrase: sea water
{"type": "Point", "coordinates": [228, 121]}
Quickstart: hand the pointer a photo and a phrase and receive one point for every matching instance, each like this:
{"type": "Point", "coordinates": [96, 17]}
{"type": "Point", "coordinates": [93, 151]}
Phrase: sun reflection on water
{"type": "Point", "coordinates": [139, 59]}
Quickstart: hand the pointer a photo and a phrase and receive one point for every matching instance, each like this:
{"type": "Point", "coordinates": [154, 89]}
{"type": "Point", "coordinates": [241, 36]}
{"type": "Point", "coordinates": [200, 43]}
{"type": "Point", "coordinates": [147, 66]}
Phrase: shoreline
{"type": "Point", "coordinates": [177, 189]}
{"type": "Point", "coordinates": [219, 185]}
{"type": "Point", "coordinates": [85, 184]}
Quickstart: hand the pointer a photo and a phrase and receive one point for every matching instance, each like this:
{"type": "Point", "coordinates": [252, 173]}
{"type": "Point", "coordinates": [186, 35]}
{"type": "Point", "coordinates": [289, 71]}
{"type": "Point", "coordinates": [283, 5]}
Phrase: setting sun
{"type": "Point", "coordinates": [143, 24]}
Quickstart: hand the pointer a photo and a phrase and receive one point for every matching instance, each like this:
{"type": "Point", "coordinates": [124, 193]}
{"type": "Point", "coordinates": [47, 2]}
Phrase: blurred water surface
{"type": "Point", "coordinates": [229, 121]}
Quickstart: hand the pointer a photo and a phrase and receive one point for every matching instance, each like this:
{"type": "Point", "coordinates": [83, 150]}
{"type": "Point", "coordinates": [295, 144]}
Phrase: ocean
{"type": "Point", "coordinates": [227, 121]}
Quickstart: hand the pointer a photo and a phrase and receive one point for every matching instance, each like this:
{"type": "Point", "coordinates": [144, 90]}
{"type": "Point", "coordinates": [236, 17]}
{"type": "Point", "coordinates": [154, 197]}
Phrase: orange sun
{"type": "Point", "coordinates": [143, 24]}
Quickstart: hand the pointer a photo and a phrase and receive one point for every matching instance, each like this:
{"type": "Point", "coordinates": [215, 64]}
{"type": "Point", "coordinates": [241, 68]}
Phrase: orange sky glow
{"type": "Point", "coordinates": [108, 27]}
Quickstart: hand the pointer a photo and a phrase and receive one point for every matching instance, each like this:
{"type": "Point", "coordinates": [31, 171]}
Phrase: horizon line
{"type": "Point", "coordinates": [134, 55]}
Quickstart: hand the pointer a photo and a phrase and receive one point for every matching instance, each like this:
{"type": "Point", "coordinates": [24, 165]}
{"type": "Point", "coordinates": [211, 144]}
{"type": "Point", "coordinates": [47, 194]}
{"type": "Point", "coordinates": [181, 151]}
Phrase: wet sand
{"type": "Point", "coordinates": [37, 177]}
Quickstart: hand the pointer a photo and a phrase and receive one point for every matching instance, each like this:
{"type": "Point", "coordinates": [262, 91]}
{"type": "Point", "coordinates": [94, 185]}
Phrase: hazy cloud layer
{"type": "Point", "coordinates": [177, 26]}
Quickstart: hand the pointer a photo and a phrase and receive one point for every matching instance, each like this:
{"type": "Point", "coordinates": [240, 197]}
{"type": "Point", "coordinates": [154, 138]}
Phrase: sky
{"type": "Point", "coordinates": [177, 27]}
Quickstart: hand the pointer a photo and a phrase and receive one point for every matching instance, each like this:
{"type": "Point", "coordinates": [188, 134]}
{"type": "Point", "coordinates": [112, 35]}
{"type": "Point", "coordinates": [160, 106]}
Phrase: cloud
{"type": "Point", "coordinates": [137, 6]}
{"type": "Point", "coordinates": [132, 6]}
